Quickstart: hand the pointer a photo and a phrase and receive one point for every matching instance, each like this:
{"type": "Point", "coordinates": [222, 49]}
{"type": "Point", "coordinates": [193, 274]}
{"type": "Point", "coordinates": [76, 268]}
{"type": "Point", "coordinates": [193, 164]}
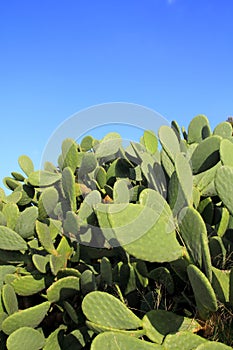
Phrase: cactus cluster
{"type": "Point", "coordinates": [120, 247]}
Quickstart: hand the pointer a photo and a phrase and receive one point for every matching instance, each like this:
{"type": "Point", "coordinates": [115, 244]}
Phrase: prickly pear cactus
{"type": "Point", "coordinates": [121, 248]}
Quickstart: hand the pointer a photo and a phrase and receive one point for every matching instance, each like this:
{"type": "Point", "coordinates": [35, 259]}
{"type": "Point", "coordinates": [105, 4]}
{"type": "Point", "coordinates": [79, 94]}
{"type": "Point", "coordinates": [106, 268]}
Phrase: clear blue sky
{"type": "Point", "coordinates": [58, 57]}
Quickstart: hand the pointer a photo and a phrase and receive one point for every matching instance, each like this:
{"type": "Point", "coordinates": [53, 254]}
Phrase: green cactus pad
{"type": "Point", "coordinates": [206, 209]}
{"type": "Point", "coordinates": [140, 275]}
{"type": "Point", "coordinates": [68, 271]}
{"type": "Point", "coordinates": [106, 310]}
{"type": "Point", "coordinates": [64, 248]}
{"type": "Point", "coordinates": [26, 164]}
{"type": "Point", "coordinates": [10, 240]}
{"type": "Point", "coordinates": [25, 225]}
{"type": "Point", "coordinates": [223, 129]}
{"type": "Point", "coordinates": [3, 221]}
{"type": "Point", "coordinates": [42, 178]}
{"type": "Point", "coordinates": [109, 145]}
{"type": "Point", "coordinates": [114, 340]}
{"type": "Point", "coordinates": [25, 338]}
{"type": "Point", "coordinates": [97, 328]}
{"type": "Point", "coordinates": [9, 299]}
{"type": "Point", "coordinates": [223, 184]}
{"type": "Point", "coordinates": [106, 271]}
{"type": "Point", "coordinates": [68, 185]}
{"type": "Point", "coordinates": [213, 345]}
{"type": "Point", "coordinates": [12, 257]}
{"type": "Point", "coordinates": [176, 196]}
{"type": "Point", "coordinates": [48, 166]}
{"type": "Point", "coordinates": [184, 175]}
{"type": "Point", "coordinates": [206, 154]}
{"type": "Point", "coordinates": [183, 340]}
{"type": "Point", "coordinates": [220, 284]}
{"type": "Point", "coordinates": [26, 193]}
{"type": "Point", "coordinates": [203, 291]}
{"type": "Point", "coordinates": [86, 143]}
{"type": "Point", "coordinates": [231, 288]}
{"type": "Point", "coordinates": [71, 311]}
{"type": "Point", "coordinates": [217, 251]}
{"type": "Point", "coordinates": [159, 323]}
{"type": "Point", "coordinates": [71, 223]}
{"type": "Point", "coordinates": [41, 262]}
{"type": "Point", "coordinates": [176, 128]}
{"type": "Point", "coordinates": [86, 208]}
{"type": "Point", "coordinates": [45, 237]}
{"type": "Point", "coordinates": [223, 224]}
{"type": "Point", "coordinates": [169, 141]}
{"type": "Point", "coordinates": [167, 163]}
{"type": "Point", "coordinates": [196, 197]}
{"type": "Point", "coordinates": [150, 141]}
{"type": "Point", "coordinates": [11, 213]}
{"type": "Point", "coordinates": [88, 164]}
{"type": "Point", "coordinates": [101, 176]}
{"type": "Point", "coordinates": [30, 317]}
{"type": "Point", "coordinates": [69, 154]}
{"type": "Point", "coordinates": [15, 197]}
{"type": "Point", "coordinates": [87, 282]}
{"type": "Point", "coordinates": [205, 181]}
{"type": "Point", "coordinates": [55, 338]}
{"type": "Point", "coordinates": [121, 192]}
{"type": "Point", "coordinates": [139, 228]}
{"type": "Point", "coordinates": [226, 151]}
{"type": "Point", "coordinates": [57, 263]}
{"type": "Point", "coordinates": [17, 176]}
{"type": "Point", "coordinates": [47, 202]}
{"type": "Point", "coordinates": [127, 278]}
{"type": "Point", "coordinates": [63, 288]}
{"type": "Point", "coordinates": [10, 183]}
{"type": "Point", "coordinates": [5, 270]}
{"type": "Point", "coordinates": [199, 129]}
{"type": "Point", "coordinates": [28, 285]}
{"type": "Point", "coordinates": [193, 232]}
{"type": "Point", "coordinates": [154, 174]}
{"type": "Point", "coordinates": [3, 316]}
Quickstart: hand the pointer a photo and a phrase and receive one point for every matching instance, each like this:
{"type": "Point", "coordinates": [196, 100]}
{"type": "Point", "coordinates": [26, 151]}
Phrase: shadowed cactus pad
{"type": "Point", "coordinates": [63, 288]}
{"type": "Point", "coordinates": [223, 183]}
{"type": "Point", "coordinates": [203, 291]}
{"type": "Point", "coordinates": [159, 323]}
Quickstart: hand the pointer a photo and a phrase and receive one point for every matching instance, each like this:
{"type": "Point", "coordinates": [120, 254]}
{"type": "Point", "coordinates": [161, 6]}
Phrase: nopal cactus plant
{"type": "Point", "coordinates": [127, 248]}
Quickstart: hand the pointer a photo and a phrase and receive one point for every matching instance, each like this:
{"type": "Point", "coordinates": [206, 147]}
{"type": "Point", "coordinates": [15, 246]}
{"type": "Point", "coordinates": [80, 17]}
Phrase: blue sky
{"type": "Point", "coordinates": [59, 57]}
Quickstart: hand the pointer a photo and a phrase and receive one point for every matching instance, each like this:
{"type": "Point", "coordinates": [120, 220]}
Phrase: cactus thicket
{"type": "Point", "coordinates": [121, 247]}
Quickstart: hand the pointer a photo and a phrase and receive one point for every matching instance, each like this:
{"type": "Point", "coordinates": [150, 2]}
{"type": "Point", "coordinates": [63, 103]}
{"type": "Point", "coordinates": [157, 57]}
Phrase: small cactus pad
{"type": "Point", "coordinates": [104, 309]}
{"type": "Point", "coordinates": [25, 338]}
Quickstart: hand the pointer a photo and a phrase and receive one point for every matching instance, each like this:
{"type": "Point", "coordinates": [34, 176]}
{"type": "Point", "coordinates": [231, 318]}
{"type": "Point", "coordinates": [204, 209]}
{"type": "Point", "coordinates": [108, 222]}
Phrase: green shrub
{"type": "Point", "coordinates": [121, 248]}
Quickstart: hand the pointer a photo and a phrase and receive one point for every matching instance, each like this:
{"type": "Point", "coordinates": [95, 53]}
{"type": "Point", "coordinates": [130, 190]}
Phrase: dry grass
{"type": "Point", "coordinates": [219, 327]}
